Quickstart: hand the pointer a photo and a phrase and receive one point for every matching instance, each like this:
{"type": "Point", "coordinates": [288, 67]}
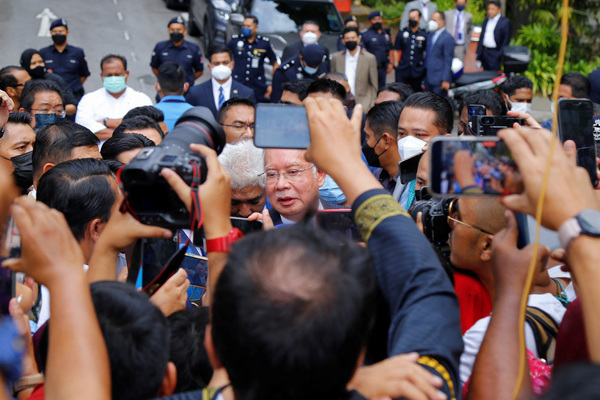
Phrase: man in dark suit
{"type": "Point", "coordinates": [310, 34]}
{"type": "Point", "coordinates": [221, 87]}
{"type": "Point", "coordinates": [495, 34]}
{"type": "Point", "coordinates": [438, 60]}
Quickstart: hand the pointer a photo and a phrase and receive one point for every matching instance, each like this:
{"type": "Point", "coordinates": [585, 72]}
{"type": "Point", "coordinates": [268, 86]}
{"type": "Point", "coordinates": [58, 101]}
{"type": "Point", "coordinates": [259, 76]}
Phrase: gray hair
{"type": "Point", "coordinates": [244, 163]}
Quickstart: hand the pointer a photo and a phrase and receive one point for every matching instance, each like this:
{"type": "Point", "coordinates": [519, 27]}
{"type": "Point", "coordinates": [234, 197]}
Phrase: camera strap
{"type": "Point", "coordinates": [196, 214]}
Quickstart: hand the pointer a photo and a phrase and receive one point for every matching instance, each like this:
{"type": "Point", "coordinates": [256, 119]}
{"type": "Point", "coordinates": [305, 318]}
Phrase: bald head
{"type": "Point", "coordinates": [488, 212]}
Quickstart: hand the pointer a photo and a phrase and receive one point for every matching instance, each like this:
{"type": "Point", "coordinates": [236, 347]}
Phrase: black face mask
{"type": "Point", "coordinates": [23, 173]}
{"type": "Point", "coordinates": [377, 26]}
{"type": "Point", "coordinates": [38, 72]}
{"type": "Point", "coordinates": [176, 37]}
{"type": "Point", "coordinates": [370, 154]}
{"type": "Point", "coordinates": [351, 45]}
{"type": "Point", "coordinates": [413, 23]}
{"type": "Point", "coordinates": [59, 38]}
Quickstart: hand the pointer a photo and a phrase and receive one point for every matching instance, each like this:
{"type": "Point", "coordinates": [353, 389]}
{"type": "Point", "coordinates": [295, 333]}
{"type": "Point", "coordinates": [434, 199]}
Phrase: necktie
{"type": "Point", "coordinates": [221, 97]}
{"type": "Point", "coordinates": [457, 27]}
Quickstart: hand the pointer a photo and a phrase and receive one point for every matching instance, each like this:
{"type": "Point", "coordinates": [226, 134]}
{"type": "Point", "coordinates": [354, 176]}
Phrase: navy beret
{"type": "Point", "coordinates": [59, 22]}
{"type": "Point", "coordinates": [177, 20]}
{"type": "Point", "coordinates": [313, 54]}
{"type": "Point", "coordinates": [374, 14]}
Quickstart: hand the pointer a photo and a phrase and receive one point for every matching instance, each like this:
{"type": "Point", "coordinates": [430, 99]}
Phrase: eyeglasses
{"type": "Point", "coordinates": [240, 127]}
{"type": "Point", "coordinates": [293, 175]}
{"type": "Point", "coordinates": [453, 210]}
{"type": "Point", "coordinates": [59, 113]}
{"type": "Point", "coordinates": [17, 85]}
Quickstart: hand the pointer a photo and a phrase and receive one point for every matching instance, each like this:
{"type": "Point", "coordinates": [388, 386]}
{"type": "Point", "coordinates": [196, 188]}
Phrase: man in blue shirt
{"type": "Point", "coordinates": [170, 88]}
{"type": "Point", "coordinates": [65, 60]}
{"type": "Point", "coordinates": [186, 55]}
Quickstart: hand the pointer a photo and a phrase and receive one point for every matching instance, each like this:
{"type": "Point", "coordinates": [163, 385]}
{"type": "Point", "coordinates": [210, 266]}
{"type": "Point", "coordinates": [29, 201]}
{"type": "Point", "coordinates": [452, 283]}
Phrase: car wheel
{"type": "Point", "coordinates": [193, 29]}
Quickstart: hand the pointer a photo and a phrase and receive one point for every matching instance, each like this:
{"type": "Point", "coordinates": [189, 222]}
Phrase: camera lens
{"type": "Point", "coordinates": [487, 120]}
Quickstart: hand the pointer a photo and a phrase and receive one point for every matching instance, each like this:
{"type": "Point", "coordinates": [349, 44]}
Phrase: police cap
{"type": "Point", "coordinates": [313, 54]}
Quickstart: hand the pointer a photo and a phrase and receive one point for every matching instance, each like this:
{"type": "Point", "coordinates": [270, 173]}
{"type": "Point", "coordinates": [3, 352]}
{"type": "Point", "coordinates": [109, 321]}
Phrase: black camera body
{"type": "Point", "coordinates": [489, 125]}
{"type": "Point", "coordinates": [147, 193]}
{"type": "Point", "coordinates": [435, 222]}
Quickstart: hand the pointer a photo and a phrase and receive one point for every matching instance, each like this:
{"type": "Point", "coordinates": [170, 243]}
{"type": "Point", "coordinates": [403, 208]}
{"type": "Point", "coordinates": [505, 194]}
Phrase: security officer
{"type": "Point", "coordinates": [249, 53]}
{"type": "Point", "coordinates": [309, 64]}
{"type": "Point", "coordinates": [350, 21]}
{"type": "Point", "coordinates": [65, 60]}
{"type": "Point", "coordinates": [412, 41]}
{"type": "Point", "coordinates": [377, 41]}
{"type": "Point", "coordinates": [186, 55]}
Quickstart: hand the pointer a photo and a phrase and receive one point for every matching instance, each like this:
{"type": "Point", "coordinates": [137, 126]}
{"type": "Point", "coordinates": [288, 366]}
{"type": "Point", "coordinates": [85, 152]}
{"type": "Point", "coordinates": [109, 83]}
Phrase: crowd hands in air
{"type": "Point", "coordinates": [289, 312]}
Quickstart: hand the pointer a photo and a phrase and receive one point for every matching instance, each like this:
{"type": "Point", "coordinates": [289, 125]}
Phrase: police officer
{"type": "Point", "coordinates": [186, 55]}
{"type": "Point", "coordinates": [377, 41]}
{"type": "Point", "coordinates": [249, 53]}
{"type": "Point", "coordinates": [412, 41]}
{"type": "Point", "coordinates": [348, 23]}
{"type": "Point", "coordinates": [65, 60]}
{"type": "Point", "coordinates": [309, 64]}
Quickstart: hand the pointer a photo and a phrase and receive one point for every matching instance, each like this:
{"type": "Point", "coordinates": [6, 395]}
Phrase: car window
{"type": "Point", "coordinates": [287, 16]}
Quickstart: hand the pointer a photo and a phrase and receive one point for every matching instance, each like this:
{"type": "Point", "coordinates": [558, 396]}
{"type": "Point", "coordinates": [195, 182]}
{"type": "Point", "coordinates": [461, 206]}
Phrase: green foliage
{"type": "Point", "coordinates": [474, 7]}
{"type": "Point", "coordinates": [542, 71]}
{"type": "Point", "coordinates": [544, 38]}
{"type": "Point", "coordinates": [391, 9]}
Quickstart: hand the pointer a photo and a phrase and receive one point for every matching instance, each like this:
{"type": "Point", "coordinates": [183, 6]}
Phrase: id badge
{"type": "Point", "coordinates": [255, 61]}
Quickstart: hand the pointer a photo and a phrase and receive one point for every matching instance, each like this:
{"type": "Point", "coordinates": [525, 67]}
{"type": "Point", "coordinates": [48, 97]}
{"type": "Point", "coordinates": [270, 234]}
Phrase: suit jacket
{"type": "Point", "coordinates": [293, 49]}
{"type": "Point", "coordinates": [450, 16]}
{"type": "Point", "coordinates": [501, 34]}
{"type": "Point", "coordinates": [202, 95]}
{"type": "Point", "coordinates": [439, 58]}
{"type": "Point", "coordinates": [431, 8]}
{"type": "Point", "coordinates": [366, 76]}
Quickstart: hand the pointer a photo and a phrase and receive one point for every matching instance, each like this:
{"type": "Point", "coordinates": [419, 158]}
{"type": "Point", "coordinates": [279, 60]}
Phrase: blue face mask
{"type": "Point", "coordinates": [114, 84]}
{"type": "Point", "coordinates": [460, 7]}
{"type": "Point", "coordinates": [310, 70]}
{"type": "Point", "coordinates": [247, 32]}
{"type": "Point", "coordinates": [42, 120]}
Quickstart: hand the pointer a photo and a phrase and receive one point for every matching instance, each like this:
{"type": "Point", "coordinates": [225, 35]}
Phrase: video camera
{"type": "Point", "coordinates": [148, 196]}
{"type": "Point", "coordinates": [435, 222]}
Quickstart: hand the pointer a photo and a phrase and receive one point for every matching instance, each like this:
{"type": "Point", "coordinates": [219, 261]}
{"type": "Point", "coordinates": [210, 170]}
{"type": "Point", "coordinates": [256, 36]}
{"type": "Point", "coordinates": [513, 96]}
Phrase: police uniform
{"type": "Point", "coordinates": [378, 44]}
{"type": "Point", "coordinates": [70, 65]}
{"type": "Point", "coordinates": [249, 61]}
{"type": "Point", "coordinates": [411, 68]}
{"type": "Point", "coordinates": [187, 56]}
{"type": "Point", "coordinates": [292, 69]}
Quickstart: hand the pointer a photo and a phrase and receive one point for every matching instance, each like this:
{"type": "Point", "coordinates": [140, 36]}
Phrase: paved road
{"type": "Point", "coordinates": [127, 27]}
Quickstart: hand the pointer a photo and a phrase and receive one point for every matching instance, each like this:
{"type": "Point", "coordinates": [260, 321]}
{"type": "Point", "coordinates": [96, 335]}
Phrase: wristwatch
{"type": "Point", "coordinates": [104, 122]}
{"type": "Point", "coordinates": [223, 244]}
{"type": "Point", "coordinates": [586, 223]}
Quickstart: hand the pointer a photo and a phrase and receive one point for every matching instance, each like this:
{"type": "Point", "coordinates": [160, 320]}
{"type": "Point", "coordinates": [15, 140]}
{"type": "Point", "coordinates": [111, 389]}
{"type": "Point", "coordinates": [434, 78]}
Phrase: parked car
{"type": "Point", "coordinates": [279, 20]}
{"type": "Point", "coordinates": [177, 4]}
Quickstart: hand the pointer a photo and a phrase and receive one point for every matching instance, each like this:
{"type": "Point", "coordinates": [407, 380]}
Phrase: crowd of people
{"type": "Point", "coordinates": [289, 311]}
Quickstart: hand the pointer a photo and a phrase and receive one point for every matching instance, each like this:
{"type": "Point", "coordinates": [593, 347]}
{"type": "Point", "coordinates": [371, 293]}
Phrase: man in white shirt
{"type": "Point", "coordinates": [221, 87]}
{"type": "Point", "coordinates": [495, 34]}
{"type": "Point", "coordinates": [359, 66]}
{"type": "Point", "coordinates": [102, 111]}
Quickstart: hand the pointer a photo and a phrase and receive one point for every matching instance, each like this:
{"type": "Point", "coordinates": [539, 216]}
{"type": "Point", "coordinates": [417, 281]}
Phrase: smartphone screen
{"type": "Point", "coordinates": [7, 289]}
{"type": "Point", "coordinates": [576, 123]}
{"type": "Point", "coordinates": [197, 271]}
{"type": "Point", "coordinates": [408, 168]}
{"type": "Point", "coordinates": [246, 226]}
{"type": "Point", "coordinates": [281, 126]}
{"type": "Point", "coordinates": [472, 166]}
{"type": "Point", "coordinates": [339, 223]}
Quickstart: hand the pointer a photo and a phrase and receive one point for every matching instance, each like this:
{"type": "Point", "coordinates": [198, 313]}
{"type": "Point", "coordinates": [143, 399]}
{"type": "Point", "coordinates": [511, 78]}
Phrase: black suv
{"type": "Point", "coordinates": [279, 20]}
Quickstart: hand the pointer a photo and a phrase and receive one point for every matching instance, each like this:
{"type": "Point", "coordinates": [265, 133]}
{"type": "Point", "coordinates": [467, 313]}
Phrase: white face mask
{"type": "Point", "coordinates": [220, 72]}
{"type": "Point", "coordinates": [553, 107]}
{"type": "Point", "coordinates": [409, 146]}
{"type": "Point", "coordinates": [309, 38]}
{"type": "Point", "coordinates": [520, 107]}
{"type": "Point", "coordinates": [433, 26]}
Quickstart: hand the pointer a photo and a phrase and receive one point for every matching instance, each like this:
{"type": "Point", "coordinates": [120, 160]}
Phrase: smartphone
{"type": "Point", "coordinates": [196, 267]}
{"type": "Point", "coordinates": [246, 226]}
{"type": "Point", "coordinates": [489, 125]}
{"type": "Point", "coordinates": [339, 223]}
{"type": "Point", "coordinates": [473, 110]}
{"type": "Point", "coordinates": [281, 126]}
{"type": "Point", "coordinates": [576, 123]}
{"type": "Point", "coordinates": [471, 165]}
{"type": "Point", "coordinates": [7, 289]}
{"type": "Point", "coordinates": [408, 168]}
